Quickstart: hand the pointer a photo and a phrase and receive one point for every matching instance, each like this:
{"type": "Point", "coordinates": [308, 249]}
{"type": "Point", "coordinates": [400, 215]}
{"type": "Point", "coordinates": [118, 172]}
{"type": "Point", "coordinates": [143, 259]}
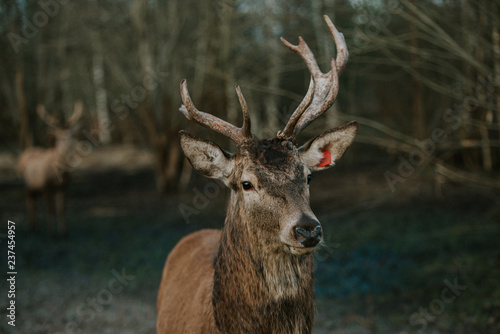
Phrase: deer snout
{"type": "Point", "coordinates": [308, 232]}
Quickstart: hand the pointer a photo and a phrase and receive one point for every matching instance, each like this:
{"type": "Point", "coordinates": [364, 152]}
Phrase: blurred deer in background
{"type": "Point", "coordinates": [45, 170]}
{"type": "Point", "coordinates": [256, 275]}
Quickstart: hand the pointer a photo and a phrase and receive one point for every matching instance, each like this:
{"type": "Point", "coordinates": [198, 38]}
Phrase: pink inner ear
{"type": "Point", "coordinates": [327, 159]}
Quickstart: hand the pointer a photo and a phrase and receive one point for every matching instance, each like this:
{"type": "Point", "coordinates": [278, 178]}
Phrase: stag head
{"type": "Point", "coordinates": [62, 133]}
{"type": "Point", "coordinates": [269, 178]}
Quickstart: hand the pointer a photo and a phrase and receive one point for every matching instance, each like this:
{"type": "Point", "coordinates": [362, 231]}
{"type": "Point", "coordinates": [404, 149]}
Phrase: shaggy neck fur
{"type": "Point", "coordinates": [259, 287]}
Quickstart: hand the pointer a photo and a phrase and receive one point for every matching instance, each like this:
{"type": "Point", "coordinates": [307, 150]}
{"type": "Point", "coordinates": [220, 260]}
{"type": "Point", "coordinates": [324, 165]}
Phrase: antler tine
{"type": "Point", "coordinates": [238, 135]}
{"type": "Point", "coordinates": [320, 103]}
{"type": "Point", "coordinates": [286, 132]}
{"type": "Point", "coordinates": [77, 113]}
{"type": "Point", "coordinates": [246, 116]}
{"type": "Point", "coordinates": [342, 52]}
{"type": "Point", "coordinates": [323, 88]}
{"type": "Point", "coordinates": [48, 119]}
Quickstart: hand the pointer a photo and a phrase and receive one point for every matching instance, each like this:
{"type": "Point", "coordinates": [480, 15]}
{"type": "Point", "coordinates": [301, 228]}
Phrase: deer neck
{"type": "Point", "coordinates": [62, 149]}
{"type": "Point", "coordinates": [259, 287]}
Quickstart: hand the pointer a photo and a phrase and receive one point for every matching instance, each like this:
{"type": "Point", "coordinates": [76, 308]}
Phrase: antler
{"type": "Point", "coordinates": [323, 87]}
{"type": "Point", "coordinates": [238, 135]}
{"type": "Point", "coordinates": [53, 122]}
{"type": "Point", "coordinates": [48, 119]}
{"type": "Point", "coordinates": [77, 113]}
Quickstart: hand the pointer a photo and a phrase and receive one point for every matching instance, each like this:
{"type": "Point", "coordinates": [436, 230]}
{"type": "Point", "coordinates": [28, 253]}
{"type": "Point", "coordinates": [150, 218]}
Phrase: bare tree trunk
{"type": "Point", "coordinates": [161, 125]}
{"type": "Point", "coordinates": [485, 115]}
{"type": "Point", "coordinates": [418, 111]}
{"type": "Point", "coordinates": [496, 60]}
{"type": "Point", "coordinates": [25, 136]}
{"type": "Point", "coordinates": [325, 47]}
{"type": "Point", "coordinates": [467, 23]}
{"type": "Point", "coordinates": [138, 14]}
{"type": "Point", "coordinates": [203, 61]}
{"type": "Point", "coordinates": [272, 118]}
{"type": "Point", "coordinates": [101, 95]}
{"type": "Point", "coordinates": [201, 56]}
{"type": "Point", "coordinates": [322, 37]}
{"type": "Point", "coordinates": [177, 172]}
{"type": "Point", "coordinates": [227, 63]}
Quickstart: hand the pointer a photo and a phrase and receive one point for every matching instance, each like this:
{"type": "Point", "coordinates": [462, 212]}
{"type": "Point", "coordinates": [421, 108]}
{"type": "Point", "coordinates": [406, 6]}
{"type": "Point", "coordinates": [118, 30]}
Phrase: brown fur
{"type": "Point", "coordinates": [260, 289]}
{"type": "Point", "coordinates": [185, 300]}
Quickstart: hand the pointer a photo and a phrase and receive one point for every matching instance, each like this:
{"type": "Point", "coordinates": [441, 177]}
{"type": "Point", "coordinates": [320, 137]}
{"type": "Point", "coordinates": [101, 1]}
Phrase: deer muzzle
{"type": "Point", "coordinates": [308, 232]}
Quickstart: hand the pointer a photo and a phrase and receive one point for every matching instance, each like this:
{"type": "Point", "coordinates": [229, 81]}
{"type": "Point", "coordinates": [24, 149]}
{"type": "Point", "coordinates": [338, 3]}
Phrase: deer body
{"type": "Point", "coordinates": [41, 167]}
{"type": "Point", "coordinates": [190, 292]}
{"type": "Point", "coordinates": [256, 275]}
{"type": "Point", "coordinates": [44, 171]}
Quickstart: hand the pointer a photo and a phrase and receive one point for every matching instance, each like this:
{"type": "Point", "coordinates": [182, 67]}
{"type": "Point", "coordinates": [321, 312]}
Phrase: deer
{"type": "Point", "coordinates": [45, 171]}
{"type": "Point", "coordinates": [255, 275]}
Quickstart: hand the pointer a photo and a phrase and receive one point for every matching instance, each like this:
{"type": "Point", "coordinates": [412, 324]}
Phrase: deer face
{"type": "Point", "coordinates": [63, 135]}
{"type": "Point", "coordinates": [269, 182]}
{"type": "Point", "coordinates": [269, 178]}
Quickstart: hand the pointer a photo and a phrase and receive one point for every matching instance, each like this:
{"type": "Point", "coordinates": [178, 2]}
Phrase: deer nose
{"type": "Point", "coordinates": [308, 232]}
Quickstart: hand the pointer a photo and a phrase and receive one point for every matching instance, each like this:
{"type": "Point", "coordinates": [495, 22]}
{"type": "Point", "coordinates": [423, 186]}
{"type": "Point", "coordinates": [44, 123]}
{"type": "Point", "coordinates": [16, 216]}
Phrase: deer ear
{"type": "Point", "coordinates": [324, 150]}
{"type": "Point", "coordinates": [207, 158]}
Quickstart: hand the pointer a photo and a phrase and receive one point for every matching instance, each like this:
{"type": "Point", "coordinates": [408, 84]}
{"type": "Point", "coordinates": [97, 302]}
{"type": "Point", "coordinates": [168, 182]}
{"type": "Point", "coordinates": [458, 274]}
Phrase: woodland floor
{"type": "Point", "coordinates": [402, 262]}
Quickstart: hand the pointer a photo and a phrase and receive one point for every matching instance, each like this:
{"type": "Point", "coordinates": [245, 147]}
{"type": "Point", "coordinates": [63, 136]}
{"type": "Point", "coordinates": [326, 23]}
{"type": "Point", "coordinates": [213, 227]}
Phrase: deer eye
{"type": "Point", "coordinates": [309, 177]}
{"type": "Point", "coordinates": [247, 185]}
